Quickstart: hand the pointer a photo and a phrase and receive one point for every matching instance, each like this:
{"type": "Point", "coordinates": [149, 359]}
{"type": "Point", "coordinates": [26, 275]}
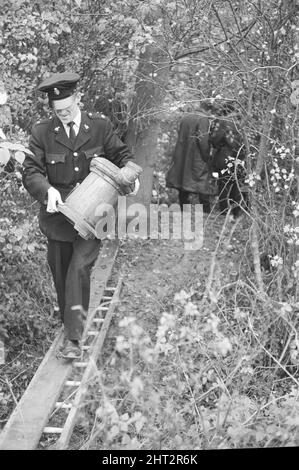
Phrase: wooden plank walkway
{"type": "Point", "coordinates": [27, 422]}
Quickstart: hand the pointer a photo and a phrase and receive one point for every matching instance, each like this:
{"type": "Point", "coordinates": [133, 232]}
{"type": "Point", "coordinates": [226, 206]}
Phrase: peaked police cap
{"type": "Point", "coordinates": [59, 85]}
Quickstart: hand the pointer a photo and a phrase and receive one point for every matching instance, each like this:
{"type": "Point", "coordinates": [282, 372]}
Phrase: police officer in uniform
{"type": "Point", "coordinates": [189, 170]}
{"type": "Point", "coordinates": [62, 148]}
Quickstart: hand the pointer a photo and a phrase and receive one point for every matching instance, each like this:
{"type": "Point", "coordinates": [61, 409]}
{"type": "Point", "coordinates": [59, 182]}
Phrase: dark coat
{"type": "Point", "coordinates": [189, 169]}
{"type": "Point", "coordinates": [227, 142]}
{"type": "Point", "coordinates": [56, 162]}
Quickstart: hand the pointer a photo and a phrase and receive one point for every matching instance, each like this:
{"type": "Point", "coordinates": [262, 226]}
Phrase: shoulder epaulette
{"type": "Point", "coordinates": [96, 116]}
{"type": "Point", "coordinates": [43, 121]}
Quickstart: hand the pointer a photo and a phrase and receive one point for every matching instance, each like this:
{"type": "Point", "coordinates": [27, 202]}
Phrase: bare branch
{"type": "Point", "coordinates": [206, 48]}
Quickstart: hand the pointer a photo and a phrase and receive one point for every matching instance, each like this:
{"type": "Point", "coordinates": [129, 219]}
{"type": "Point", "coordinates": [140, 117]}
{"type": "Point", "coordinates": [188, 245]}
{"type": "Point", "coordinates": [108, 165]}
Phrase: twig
{"type": "Point", "coordinates": [285, 348]}
{"type": "Point", "coordinates": [232, 232]}
{"type": "Point", "coordinates": [256, 259]}
{"type": "Point", "coordinates": [214, 260]}
{"type": "Point", "coordinates": [207, 393]}
{"type": "Point", "coordinates": [239, 282]}
{"type": "Point", "coordinates": [198, 412]}
{"type": "Point", "coordinates": [11, 391]}
{"type": "Point", "coordinates": [219, 19]}
{"type": "Point", "coordinates": [261, 408]}
{"type": "Point", "coordinates": [270, 355]}
{"type": "Point", "coordinates": [203, 49]}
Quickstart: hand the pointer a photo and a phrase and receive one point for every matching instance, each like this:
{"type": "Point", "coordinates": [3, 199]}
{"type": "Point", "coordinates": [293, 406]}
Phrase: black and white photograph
{"type": "Point", "coordinates": [149, 236]}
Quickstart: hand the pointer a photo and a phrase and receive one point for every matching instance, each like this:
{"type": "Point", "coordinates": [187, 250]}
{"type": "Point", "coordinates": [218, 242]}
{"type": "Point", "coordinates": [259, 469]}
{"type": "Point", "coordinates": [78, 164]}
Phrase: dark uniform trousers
{"type": "Point", "coordinates": [71, 264]}
{"type": "Point", "coordinates": [204, 199]}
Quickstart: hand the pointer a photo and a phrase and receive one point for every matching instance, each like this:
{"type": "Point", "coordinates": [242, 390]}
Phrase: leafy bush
{"type": "Point", "coordinates": [200, 383]}
{"type": "Point", "coordinates": [25, 282]}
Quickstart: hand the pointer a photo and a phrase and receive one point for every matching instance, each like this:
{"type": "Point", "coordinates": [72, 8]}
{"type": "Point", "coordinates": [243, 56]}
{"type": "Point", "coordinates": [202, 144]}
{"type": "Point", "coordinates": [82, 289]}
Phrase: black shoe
{"type": "Point", "coordinates": [71, 350]}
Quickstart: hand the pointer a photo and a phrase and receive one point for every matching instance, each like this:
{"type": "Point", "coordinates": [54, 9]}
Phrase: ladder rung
{"type": "Point", "coordinates": [109, 297]}
{"type": "Point", "coordinates": [110, 288]}
{"type": "Point", "coordinates": [85, 348]}
{"type": "Point", "coordinates": [92, 333]}
{"type": "Point", "coordinates": [52, 430]}
{"type": "Point", "coordinates": [72, 383]}
{"type": "Point", "coordinates": [98, 320]}
{"type": "Point", "coordinates": [80, 364]}
{"type": "Point", "coordinates": [61, 404]}
{"type": "Point", "coordinates": [102, 308]}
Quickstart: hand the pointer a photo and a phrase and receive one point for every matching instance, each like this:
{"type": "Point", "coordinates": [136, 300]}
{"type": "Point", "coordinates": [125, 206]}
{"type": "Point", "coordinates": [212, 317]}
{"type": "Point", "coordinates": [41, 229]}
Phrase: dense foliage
{"type": "Point", "coordinates": [244, 53]}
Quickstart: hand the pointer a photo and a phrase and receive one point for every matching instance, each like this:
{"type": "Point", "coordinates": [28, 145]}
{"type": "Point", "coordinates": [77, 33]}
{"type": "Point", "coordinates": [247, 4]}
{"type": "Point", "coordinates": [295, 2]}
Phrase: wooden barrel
{"type": "Point", "coordinates": [100, 186]}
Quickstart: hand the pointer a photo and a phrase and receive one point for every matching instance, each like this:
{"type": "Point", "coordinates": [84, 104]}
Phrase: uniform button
{"type": "Point", "coordinates": [76, 168]}
{"type": "Point", "coordinates": [77, 184]}
{"type": "Point", "coordinates": [75, 154]}
{"type": "Point", "coordinates": [52, 161]}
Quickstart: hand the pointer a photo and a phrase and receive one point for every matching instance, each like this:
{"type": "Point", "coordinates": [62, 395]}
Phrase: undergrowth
{"type": "Point", "coordinates": [27, 324]}
{"type": "Point", "coordinates": [221, 369]}
{"type": "Point", "coordinates": [219, 372]}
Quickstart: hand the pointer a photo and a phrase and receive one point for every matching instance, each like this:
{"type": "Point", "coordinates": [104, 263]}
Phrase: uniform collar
{"type": "Point", "coordinates": [76, 121]}
{"type": "Point", "coordinates": [83, 136]}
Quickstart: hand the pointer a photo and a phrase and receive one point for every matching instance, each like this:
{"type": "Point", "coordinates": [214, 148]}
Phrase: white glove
{"type": "Point", "coordinates": [137, 186]}
{"type": "Point", "coordinates": [54, 198]}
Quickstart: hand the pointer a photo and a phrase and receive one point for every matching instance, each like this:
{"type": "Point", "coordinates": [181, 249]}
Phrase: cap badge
{"type": "Point", "coordinates": [86, 127]}
{"type": "Point", "coordinates": [56, 129]}
{"type": "Point", "coordinates": [56, 91]}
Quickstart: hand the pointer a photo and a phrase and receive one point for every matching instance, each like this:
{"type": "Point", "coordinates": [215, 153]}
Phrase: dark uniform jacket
{"type": "Point", "coordinates": [59, 163]}
{"type": "Point", "coordinates": [189, 169]}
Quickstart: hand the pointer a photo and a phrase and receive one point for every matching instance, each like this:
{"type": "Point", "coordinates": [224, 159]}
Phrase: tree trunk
{"type": "Point", "coordinates": [144, 126]}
